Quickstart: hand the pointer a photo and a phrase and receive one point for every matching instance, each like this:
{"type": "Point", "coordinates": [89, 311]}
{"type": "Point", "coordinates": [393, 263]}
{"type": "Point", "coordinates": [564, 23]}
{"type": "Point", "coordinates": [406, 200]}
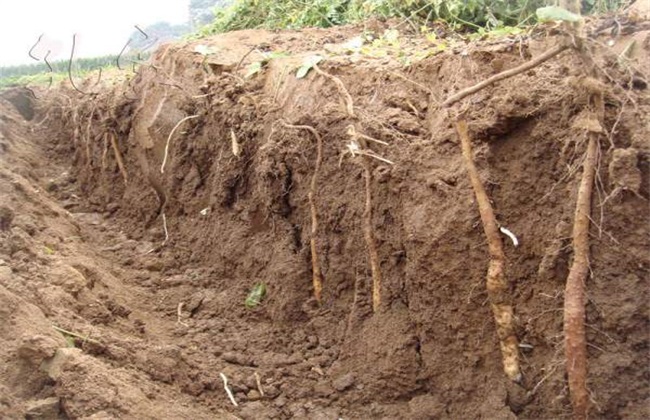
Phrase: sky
{"type": "Point", "coordinates": [102, 26]}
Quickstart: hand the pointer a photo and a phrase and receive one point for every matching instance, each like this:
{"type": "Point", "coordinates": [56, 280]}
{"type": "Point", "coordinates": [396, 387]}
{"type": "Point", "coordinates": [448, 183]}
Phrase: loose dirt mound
{"type": "Point", "coordinates": [139, 235]}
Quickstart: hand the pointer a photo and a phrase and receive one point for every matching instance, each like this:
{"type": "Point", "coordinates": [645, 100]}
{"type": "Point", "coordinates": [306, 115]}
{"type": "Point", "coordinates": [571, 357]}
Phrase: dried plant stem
{"type": "Point", "coordinates": [74, 43]}
{"type": "Point", "coordinates": [169, 138]}
{"type": "Point", "coordinates": [76, 335]}
{"type": "Point", "coordinates": [547, 55]}
{"type": "Point", "coordinates": [497, 285]}
{"type": "Point", "coordinates": [316, 270]}
{"type": "Point", "coordinates": [118, 158]}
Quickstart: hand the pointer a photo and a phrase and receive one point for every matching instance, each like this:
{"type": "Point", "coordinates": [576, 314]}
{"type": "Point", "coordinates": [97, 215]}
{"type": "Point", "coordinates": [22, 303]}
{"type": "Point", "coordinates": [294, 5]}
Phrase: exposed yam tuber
{"type": "Point", "coordinates": [497, 286]}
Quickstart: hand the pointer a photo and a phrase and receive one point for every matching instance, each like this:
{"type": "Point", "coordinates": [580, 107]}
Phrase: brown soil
{"type": "Point", "coordinates": [156, 323]}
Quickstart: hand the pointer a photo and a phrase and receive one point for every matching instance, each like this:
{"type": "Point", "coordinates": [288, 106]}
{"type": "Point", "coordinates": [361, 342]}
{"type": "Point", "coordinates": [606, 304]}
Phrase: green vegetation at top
{"type": "Point", "coordinates": [40, 74]}
{"type": "Point", "coordinates": [59, 66]}
{"type": "Point", "coordinates": [460, 14]}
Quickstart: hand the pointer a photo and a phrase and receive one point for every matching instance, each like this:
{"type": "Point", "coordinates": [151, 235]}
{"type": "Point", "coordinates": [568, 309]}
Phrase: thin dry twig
{"type": "Point", "coordinates": [244, 57]}
{"type": "Point", "coordinates": [354, 149]}
{"type": "Point", "coordinates": [34, 46]}
{"type": "Point", "coordinates": [117, 60]}
{"type": "Point", "coordinates": [178, 124]}
{"type": "Point", "coordinates": [74, 43]}
{"type": "Point", "coordinates": [76, 335]}
{"type": "Point", "coordinates": [352, 132]}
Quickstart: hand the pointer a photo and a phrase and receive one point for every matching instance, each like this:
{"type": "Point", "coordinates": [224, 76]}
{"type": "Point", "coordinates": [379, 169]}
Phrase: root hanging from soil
{"type": "Point", "coordinates": [497, 285]}
{"type": "Point", "coordinates": [231, 397]}
{"type": "Point", "coordinates": [169, 138]}
{"type": "Point", "coordinates": [118, 158]}
{"type": "Point", "coordinates": [104, 152]}
{"type": "Point", "coordinates": [315, 264]}
{"type": "Point", "coordinates": [88, 136]}
{"type": "Point", "coordinates": [369, 236]}
{"type": "Point", "coordinates": [349, 104]}
{"type": "Point", "coordinates": [368, 232]}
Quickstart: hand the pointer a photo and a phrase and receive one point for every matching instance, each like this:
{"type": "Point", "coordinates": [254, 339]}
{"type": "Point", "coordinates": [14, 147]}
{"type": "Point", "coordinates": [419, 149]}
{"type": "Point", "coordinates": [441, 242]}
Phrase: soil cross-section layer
{"type": "Point", "coordinates": [139, 221]}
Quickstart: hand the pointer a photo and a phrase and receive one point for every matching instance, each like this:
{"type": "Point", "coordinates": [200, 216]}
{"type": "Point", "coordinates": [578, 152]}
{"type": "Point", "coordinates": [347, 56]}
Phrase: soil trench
{"type": "Point", "coordinates": [130, 240]}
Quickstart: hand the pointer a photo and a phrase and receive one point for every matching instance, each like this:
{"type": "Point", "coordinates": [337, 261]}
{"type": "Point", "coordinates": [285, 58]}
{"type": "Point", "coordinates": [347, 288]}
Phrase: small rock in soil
{"type": "Point", "coordinates": [6, 217]}
{"type": "Point", "coordinates": [48, 408]}
{"type": "Point", "coordinates": [281, 401]}
{"type": "Point", "coordinates": [257, 411]}
{"type": "Point", "coordinates": [38, 347]}
{"type": "Point", "coordinates": [323, 389]}
{"type": "Point", "coordinates": [238, 359]}
{"type": "Point", "coordinates": [112, 207]}
{"type": "Point", "coordinates": [5, 274]}
{"type": "Point", "coordinates": [324, 414]}
{"type": "Point", "coordinates": [624, 171]}
{"type": "Point", "coordinates": [344, 382]}
{"type": "Point", "coordinates": [253, 395]}
{"type": "Point", "coordinates": [278, 359]}
{"type": "Point", "coordinates": [271, 391]}
{"type": "Point", "coordinates": [426, 407]}
{"type": "Point", "coordinates": [54, 366]}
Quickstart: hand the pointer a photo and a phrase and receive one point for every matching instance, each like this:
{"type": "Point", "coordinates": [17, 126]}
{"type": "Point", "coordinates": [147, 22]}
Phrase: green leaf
{"type": "Point", "coordinates": [254, 68]}
{"type": "Point", "coordinates": [274, 54]}
{"type": "Point", "coordinates": [256, 295]}
{"type": "Point", "coordinates": [555, 13]}
{"type": "Point", "coordinates": [70, 341]}
{"type": "Point", "coordinates": [307, 65]}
